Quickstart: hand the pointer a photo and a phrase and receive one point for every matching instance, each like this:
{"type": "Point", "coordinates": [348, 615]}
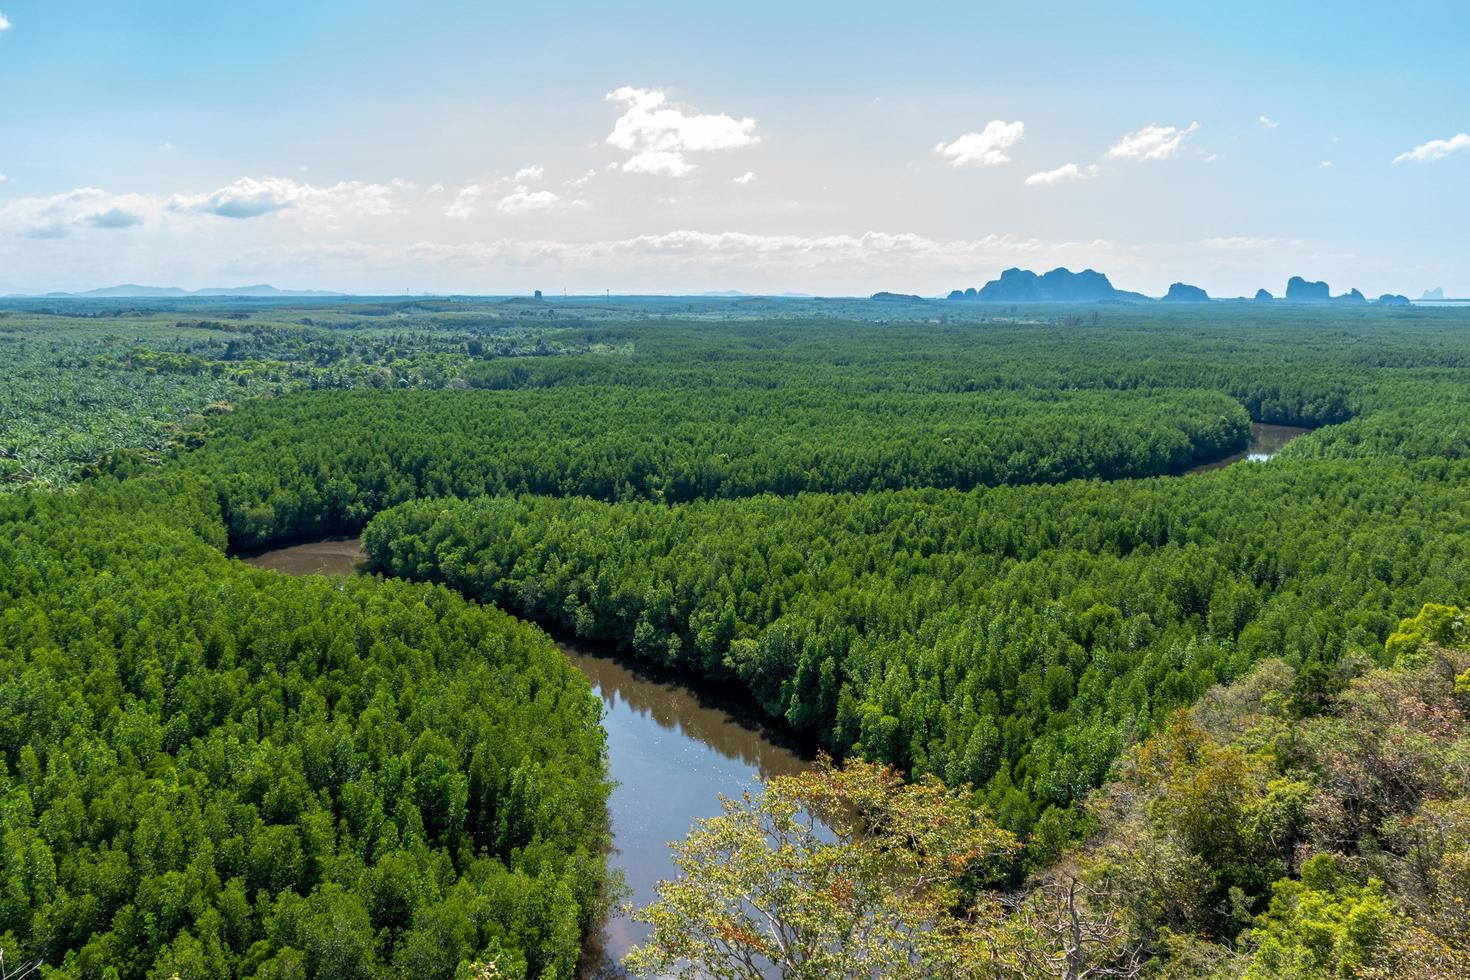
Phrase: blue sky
{"type": "Point", "coordinates": [662, 147]}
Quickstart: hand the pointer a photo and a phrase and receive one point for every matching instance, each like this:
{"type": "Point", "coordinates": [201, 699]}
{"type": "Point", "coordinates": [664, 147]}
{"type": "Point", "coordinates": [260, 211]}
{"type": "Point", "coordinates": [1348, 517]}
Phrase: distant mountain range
{"type": "Point", "coordinates": [1090, 286]}
{"type": "Point", "coordinates": [134, 291]}
{"type": "Point", "coordinates": [1298, 290]}
{"type": "Point", "coordinates": [1056, 286]}
{"type": "Point", "coordinates": [1014, 286]}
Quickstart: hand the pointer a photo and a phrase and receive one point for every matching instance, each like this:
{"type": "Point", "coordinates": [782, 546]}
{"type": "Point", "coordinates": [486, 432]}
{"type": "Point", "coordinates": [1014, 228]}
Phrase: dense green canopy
{"type": "Point", "coordinates": [218, 771]}
{"type": "Point", "coordinates": [319, 463]}
{"type": "Point", "coordinates": [946, 545]}
{"type": "Point", "coordinates": [1014, 638]}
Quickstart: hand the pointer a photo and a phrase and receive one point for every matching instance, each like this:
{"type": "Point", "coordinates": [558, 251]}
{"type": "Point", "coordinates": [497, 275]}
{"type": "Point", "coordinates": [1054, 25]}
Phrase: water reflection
{"type": "Point", "coordinates": [687, 708]}
{"type": "Point", "coordinates": [672, 750]}
{"type": "Point", "coordinates": [1266, 441]}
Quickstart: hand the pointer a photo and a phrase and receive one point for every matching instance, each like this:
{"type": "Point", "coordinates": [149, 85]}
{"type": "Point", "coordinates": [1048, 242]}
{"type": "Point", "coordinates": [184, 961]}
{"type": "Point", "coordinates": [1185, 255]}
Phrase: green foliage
{"type": "Point", "coordinates": [1015, 638]}
{"type": "Point", "coordinates": [1435, 625]}
{"type": "Point", "coordinates": [1320, 926]}
{"type": "Point", "coordinates": [214, 771]}
{"type": "Point", "coordinates": [830, 873]}
{"type": "Point", "coordinates": [874, 525]}
{"type": "Point", "coordinates": [75, 388]}
{"type": "Point", "coordinates": [312, 464]}
{"type": "Point", "coordinates": [1247, 840]}
{"type": "Point", "coordinates": [678, 410]}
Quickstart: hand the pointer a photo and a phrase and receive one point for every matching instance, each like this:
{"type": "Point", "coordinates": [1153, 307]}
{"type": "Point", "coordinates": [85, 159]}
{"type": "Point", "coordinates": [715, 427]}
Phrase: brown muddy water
{"type": "Point", "coordinates": [1266, 441]}
{"type": "Point", "coordinates": [672, 749]}
{"type": "Point", "coordinates": [329, 556]}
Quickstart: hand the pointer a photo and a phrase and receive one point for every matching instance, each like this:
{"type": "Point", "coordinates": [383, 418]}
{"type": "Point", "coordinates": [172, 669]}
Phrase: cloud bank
{"type": "Point", "coordinates": [252, 198]}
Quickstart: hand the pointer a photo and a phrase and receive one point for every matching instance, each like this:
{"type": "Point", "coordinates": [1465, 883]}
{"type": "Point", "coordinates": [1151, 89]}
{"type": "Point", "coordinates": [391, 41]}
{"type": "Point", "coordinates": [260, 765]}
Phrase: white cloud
{"type": "Point", "coordinates": [1066, 172]}
{"type": "Point", "coordinates": [249, 197]}
{"type": "Point", "coordinates": [116, 216]}
{"type": "Point", "coordinates": [2, 178]}
{"type": "Point", "coordinates": [4, 23]}
{"type": "Point", "coordinates": [985, 147]}
{"type": "Point", "coordinates": [661, 163]}
{"type": "Point", "coordinates": [1435, 149]}
{"type": "Point", "coordinates": [582, 180]}
{"type": "Point", "coordinates": [1326, 165]}
{"type": "Point", "coordinates": [746, 178]}
{"type": "Point", "coordinates": [165, 147]}
{"type": "Point", "coordinates": [1152, 143]}
{"type": "Point", "coordinates": [523, 199]}
{"type": "Point", "coordinates": [246, 198]}
{"type": "Point", "coordinates": [658, 134]}
{"type": "Point", "coordinates": [1268, 122]}
{"type": "Point", "coordinates": [463, 204]}
{"type": "Point", "coordinates": [532, 173]}
{"type": "Point", "coordinates": [436, 189]}
{"type": "Point", "coordinates": [58, 215]}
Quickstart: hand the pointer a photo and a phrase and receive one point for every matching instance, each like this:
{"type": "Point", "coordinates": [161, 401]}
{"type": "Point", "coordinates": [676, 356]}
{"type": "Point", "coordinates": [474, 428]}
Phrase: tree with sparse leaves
{"type": "Point", "coordinates": [836, 872]}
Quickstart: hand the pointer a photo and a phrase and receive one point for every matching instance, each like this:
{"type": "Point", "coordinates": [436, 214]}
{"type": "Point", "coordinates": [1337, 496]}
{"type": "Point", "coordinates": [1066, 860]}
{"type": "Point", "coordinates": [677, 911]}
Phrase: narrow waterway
{"type": "Point", "coordinates": [672, 749]}
{"type": "Point", "coordinates": [1266, 441]}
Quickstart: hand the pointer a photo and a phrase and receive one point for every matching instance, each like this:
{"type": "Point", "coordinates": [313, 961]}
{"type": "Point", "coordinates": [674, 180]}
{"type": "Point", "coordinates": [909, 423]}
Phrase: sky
{"type": "Point", "coordinates": [817, 147]}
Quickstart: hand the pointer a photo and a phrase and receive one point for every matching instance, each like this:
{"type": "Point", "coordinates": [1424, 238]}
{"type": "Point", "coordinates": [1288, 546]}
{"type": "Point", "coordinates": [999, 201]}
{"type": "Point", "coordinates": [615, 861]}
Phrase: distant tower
{"type": "Point", "coordinates": [538, 295]}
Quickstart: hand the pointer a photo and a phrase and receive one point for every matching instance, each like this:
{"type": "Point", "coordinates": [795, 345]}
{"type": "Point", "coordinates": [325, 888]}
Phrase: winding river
{"type": "Point", "coordinates": [672, 748]}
